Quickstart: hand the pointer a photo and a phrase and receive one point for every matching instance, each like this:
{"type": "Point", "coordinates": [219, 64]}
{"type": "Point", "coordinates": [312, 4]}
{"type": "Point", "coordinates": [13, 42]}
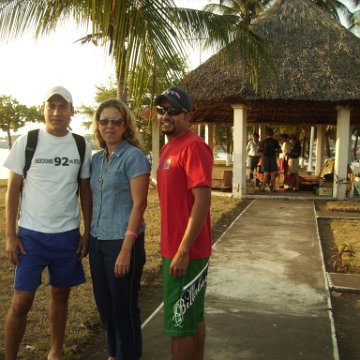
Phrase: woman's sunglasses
{"type": "Point", "coordinates": [116, 122]}
{"type": "Point", "coordinates": [171, 110]}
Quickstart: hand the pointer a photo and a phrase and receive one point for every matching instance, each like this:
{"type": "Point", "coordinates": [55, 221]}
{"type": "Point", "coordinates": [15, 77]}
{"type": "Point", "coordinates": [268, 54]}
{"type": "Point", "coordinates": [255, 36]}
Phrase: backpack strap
{"type": "Point", "coordinates": [31, 142]}
{"type": "Point", "coordinates": [81, 146]}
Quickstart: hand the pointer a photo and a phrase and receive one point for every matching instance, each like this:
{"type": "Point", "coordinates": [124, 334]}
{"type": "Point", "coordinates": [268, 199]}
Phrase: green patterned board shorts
{"type": "Point", "coordinates": [184, 298]}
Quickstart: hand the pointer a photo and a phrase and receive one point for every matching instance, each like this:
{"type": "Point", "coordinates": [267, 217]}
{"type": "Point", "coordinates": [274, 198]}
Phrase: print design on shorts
{"type": "Point", "coordinates": [188, 296]}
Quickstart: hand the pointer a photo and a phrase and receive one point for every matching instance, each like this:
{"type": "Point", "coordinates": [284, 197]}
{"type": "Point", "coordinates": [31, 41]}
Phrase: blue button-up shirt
{"type": "Point", "coordinates": [110, 184]}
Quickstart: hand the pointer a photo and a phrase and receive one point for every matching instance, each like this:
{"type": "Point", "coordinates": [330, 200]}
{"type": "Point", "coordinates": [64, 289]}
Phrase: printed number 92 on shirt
{"type": "Point", "coordinates": [58, 161]}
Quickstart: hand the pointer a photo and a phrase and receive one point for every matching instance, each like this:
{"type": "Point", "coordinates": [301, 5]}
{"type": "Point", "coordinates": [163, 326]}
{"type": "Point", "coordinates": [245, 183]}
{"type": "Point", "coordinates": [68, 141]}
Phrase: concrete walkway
{"type": "Point", "coordinates": [267, 296]}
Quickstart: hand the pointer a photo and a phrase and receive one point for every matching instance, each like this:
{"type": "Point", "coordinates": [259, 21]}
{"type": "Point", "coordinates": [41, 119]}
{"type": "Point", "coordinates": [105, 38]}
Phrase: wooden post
{"type": "Point", "coordinates": [239, 164]}
{"type": "Point", "coordinates": [341, 152]}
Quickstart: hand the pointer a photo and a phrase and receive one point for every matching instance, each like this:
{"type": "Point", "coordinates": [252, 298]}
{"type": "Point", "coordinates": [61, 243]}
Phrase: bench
{"type": "Point", "coordinates": [222, 178]}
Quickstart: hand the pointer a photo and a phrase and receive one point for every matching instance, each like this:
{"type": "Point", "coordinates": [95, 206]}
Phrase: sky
{"type": "Point", "coordinates": [29, 67]}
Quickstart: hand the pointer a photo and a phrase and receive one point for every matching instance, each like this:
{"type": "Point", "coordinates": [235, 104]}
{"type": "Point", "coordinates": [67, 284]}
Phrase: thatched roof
{"type": "Point", "coordinates": [317, 62]}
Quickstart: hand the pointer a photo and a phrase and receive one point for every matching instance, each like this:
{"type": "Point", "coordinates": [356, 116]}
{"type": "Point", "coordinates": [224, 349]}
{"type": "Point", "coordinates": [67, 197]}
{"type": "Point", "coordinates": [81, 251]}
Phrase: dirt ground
{"type": "Point", "coordinates": [346, 306]}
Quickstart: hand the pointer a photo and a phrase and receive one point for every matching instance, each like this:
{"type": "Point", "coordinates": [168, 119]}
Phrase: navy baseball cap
{"type": "Point", "coordinates": [177, 97]}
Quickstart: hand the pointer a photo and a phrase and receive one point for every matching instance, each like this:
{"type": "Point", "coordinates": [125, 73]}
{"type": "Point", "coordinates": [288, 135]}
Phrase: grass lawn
{"type": "Point", "coordinates": [346, 237]}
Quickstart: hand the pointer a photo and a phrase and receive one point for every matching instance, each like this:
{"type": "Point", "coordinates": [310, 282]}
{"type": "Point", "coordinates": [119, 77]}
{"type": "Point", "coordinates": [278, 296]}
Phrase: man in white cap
{"type": "Point", "coordinates": [47, 233]}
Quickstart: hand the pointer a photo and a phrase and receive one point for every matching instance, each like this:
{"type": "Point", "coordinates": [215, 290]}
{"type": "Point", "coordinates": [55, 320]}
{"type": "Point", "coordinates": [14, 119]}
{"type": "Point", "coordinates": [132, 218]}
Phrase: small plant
{"type": "Point", "coordinates": [339, 262]}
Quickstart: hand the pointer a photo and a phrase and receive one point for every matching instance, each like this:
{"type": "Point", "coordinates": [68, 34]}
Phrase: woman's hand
{"type": "Point", "coordinates": [122, 263]}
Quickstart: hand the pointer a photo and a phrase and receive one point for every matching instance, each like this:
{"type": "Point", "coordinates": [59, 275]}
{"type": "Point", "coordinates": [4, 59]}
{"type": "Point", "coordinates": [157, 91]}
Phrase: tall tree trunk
{"type": "Point", "coordinates": [120, 78]}
{"type": "Point", "coordinates": [9, 138]}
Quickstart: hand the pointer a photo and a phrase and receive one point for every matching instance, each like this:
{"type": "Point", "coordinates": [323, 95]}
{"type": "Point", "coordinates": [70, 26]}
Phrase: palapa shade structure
{"type": "Point", "coordinates": [317, 62]}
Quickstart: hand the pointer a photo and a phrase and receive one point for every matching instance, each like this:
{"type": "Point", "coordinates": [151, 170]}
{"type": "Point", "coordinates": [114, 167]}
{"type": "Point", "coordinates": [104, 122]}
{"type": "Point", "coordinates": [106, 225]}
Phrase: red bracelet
{"type": "Point", "coordinates": [131, 233]}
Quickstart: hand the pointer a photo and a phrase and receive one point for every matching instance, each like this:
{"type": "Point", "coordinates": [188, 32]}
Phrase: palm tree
{"type": "Point", "coordinates": [248, 10]}
{"type": "Point", "coordinates": [245, 10]}
{"type": "Point", "coordinates": [141, 35]}
{"type": "Point", "coordinates": [336, 7]}
{"type": "Point", "coordinates": [354, 19]}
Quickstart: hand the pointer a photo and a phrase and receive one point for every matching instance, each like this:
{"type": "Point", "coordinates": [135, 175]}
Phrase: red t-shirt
{"type": "Point", "coordinates": [185, 163]}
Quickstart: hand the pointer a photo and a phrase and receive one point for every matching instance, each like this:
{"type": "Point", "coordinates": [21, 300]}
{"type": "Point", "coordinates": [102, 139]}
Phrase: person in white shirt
{"type": "Point", "coordinates": [252, 151]}
{"type": "Point", "coordinates": [47, 234]}
{"type": "Point", "coordinates": [283, 158]}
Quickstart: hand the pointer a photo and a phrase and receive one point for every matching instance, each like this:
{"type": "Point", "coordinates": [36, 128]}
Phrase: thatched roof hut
{"type": "Point", "coordinates": [317, 62]}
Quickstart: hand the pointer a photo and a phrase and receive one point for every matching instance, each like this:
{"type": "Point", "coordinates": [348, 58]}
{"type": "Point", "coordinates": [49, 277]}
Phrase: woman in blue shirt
{"type": "Point", "coordinates": [119, 183]}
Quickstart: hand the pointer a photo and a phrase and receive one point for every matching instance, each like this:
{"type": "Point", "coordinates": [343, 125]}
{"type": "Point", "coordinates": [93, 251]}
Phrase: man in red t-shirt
{"type": "Point", "coordinates": [184, 187]}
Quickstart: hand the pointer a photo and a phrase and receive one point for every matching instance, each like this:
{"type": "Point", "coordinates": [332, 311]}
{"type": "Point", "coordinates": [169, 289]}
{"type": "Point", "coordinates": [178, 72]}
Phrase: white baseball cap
{"type": "Point", "coordinates": [58, 90]}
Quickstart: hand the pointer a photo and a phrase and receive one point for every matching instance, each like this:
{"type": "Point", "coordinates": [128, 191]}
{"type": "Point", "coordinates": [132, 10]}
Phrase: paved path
{"type": "Point", "coordinates": [267, 296]}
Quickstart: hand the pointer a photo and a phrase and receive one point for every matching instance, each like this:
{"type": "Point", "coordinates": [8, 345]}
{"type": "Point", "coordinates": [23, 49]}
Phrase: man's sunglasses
{"type": "Point", "coordinates": [116, 122]}
{"type": "Point", "coordinates": [171, 110]}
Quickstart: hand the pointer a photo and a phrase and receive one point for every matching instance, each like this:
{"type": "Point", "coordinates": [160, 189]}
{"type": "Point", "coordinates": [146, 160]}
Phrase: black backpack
{"type": "Point", "coordinates": [31, 143]}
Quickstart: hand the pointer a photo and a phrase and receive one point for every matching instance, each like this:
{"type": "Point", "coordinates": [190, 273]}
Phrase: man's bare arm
{"type": "Point", "coordinates": [13, 243]}
{"type": "Point", "coordinates": [200, 209]}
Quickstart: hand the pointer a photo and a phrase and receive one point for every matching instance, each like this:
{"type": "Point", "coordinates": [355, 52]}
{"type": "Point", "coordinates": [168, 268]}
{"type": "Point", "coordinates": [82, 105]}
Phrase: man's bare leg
{"type": "Point", "coordinates": [16, 322]}
{"type": "Point", "coordinates": [189, 347]}
{"type": "Point", "coordinates": [292, 182]}
{"type": "Point", "coordinates": [182, 347]}
{"type": "Point", "coordinates": [265, 180]}
{"type": "Point", "coordinates": [273, 180]}
{"type": "Point", "coordinates": [58, 310]}
{"type": "Point", "coordinates": [199, 342]}
{"type": "Point", "coordinates": [297, 182]}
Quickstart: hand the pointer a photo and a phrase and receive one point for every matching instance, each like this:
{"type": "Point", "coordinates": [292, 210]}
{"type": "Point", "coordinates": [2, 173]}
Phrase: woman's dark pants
{"type": "Point", "coordinates": [117, 298]}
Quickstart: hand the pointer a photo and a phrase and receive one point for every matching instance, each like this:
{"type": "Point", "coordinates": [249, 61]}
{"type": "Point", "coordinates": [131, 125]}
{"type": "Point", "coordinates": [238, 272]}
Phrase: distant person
{"type": "Point", "coordinates": [119, 183]}
{"type": "Point", "coordinates": [254, 156]}
{"type": "Point", "coordinates": [269, 148]}
{"type": "Point", "coordinates": [283, 159]}
{"type": "Point", "coordinates": [293, 155]}
{"type": "Point", "coordinates": [184, 186]}
{"type": "Point", "coordinates": [48, 233]}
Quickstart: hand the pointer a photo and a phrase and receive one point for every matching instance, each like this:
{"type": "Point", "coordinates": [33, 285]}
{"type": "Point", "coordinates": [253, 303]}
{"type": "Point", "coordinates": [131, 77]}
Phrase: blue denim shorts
{"type": "Point", "coordinates": [57, 252]}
